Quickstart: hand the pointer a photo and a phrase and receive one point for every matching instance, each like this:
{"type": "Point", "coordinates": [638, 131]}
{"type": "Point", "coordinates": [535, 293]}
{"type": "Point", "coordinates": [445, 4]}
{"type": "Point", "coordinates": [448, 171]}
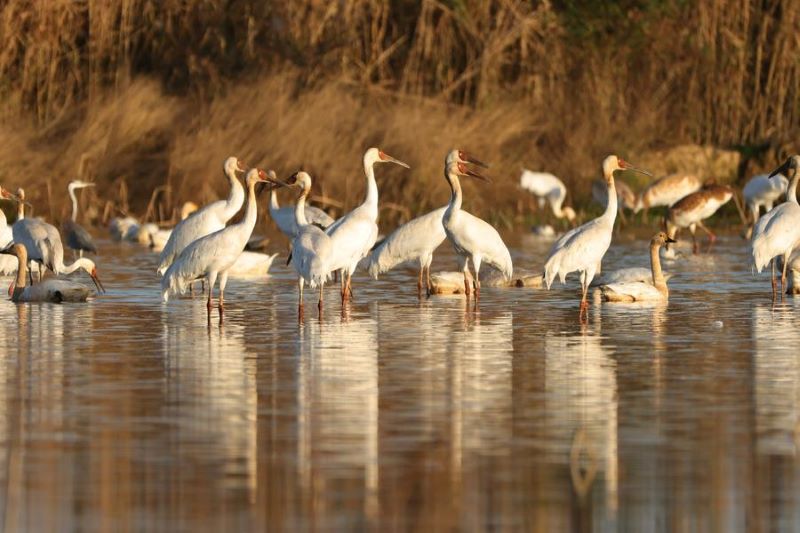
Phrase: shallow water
{"type": "Point", "coordinates": [399, 414]}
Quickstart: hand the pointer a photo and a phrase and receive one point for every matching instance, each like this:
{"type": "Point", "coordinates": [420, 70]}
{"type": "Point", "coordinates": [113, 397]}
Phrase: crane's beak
{"type": "Point", "coordinates": [670, 240]}
{"type": "Point", "coordinates": [466, 171]}
{"type": "Point", "coordinates": [469, 159]}
{"type": "Point", "coordinates": [783, 169]}
{"type": "Point", "coordinates": [97, 282]}
{"type": "Point", "coordinates": [386, 158]}
{"type": "Point", "coordinates": [8, 195]}
{"type": "Point", "coordinates": [627, 166]}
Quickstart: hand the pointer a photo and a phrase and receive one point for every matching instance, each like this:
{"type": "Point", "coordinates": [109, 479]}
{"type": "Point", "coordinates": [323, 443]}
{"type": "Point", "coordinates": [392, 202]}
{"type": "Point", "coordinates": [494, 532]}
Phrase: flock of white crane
{"type": "Point", "coordinates": [204, 246]}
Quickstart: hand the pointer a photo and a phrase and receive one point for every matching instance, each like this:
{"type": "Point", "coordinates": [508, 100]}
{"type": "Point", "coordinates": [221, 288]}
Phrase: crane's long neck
{"type": "Point", "coordinates": [556, 206]}
{"type": "Point", "coordinates": [455, 192]}
{"type": "Point", "coordinates": [235, 197]}
{"type": "Point", "coordinates": [655, 265]}
{"type": "Point", "coordinates": [74, 203]}
{"type": "Point", "coordinates": [84, 263]}
{"type": "Point", "coordinates": [20, 210]}
{"type": "Point", "coordinates": [247, 224]}
{"type": "Point", "coordinates": [371, 201]}
{"type": "Point", "coordinates": [300, 209]}
{"type": "Point", "coordinates": [610, 213]}
{"type": "Point", "coordinates": [273, 200]}
{"type": "Point", "coordinates": [791, 193]}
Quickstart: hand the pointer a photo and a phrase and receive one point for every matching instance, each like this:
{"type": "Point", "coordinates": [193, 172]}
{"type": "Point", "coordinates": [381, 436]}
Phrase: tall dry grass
{"type": "Point", "coordinates": [146, 93]}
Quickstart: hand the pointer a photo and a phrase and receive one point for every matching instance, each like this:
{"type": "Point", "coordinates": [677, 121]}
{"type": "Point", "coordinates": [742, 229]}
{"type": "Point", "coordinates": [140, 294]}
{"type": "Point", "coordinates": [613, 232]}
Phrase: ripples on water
{"type": "Point", "coordinates": [128, 414]}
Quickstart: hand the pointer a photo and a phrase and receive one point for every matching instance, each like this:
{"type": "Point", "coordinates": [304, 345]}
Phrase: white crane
{"type": "Point", "coordinates": [355, 233]}
{"type": "Point", "coordinates": [49, 290]}
{"type": "Point", "coordinates": [6, 236]}
{"type": "Point", "coordinates": [213, 255]}
{"type": "Point", "coordinates": [583, 248]}
{"type": "Point", "coordinates": [472, 238]}
{"type": "Point", "coordinates": [777, 233]}
{"type": "Point", "coordinates": [43, 245]}
{"type": "Point", "coordinates": [284, 217]}
{"type": "Point", "coordinates": [312, 248]}
{"type": "Point", "coordinates": [654, 289]}
{"type": "Point", "coordinates": [547, 187]}
{"type": "Point", "coordinates": [207, 220]}
{"type": "Point", "coordinates": [77, 238]}
{"type": "Point", "coordinates": [761, 191]}
{"type": "Point", "coordinates": [415, 240]}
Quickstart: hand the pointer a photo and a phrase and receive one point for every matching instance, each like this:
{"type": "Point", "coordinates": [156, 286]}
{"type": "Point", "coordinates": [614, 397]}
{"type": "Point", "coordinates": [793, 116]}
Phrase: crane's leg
{"type": "Point", "coordinates": [711, 237]}
{"type": "Point", "coordinates": [428, 284]}
{"type": "Point", "coordinates": [584, 304]}
{"type": "Point", "coordinates": [695, 248]}
{"type": "Point", "coordinates": [212, 280]}
{"type": "Point", "coordinates": [419, 280]}
{"type": "Point", "coordinates": [300, 283]}
{"type": "Point", "coordinates": [465, 269]}
{"type": "Point", "coordinates": [476, 267]}
{"type": "Point", "coordinates": [774, 281]}
{"type": "Point", "coordinates": [223, 280]}
{"type": "Point", "coordinates": [319, 303]}
{"type": "Point", "coordinates": [343, 283]}
{"type": "Point", "coordinates": [783, 274]}
{"type": "Point", "coordinates": [80, 253]}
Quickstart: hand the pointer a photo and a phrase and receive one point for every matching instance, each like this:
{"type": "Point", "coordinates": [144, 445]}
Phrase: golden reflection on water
{"type": "Point", "coordinates": [399, 414]}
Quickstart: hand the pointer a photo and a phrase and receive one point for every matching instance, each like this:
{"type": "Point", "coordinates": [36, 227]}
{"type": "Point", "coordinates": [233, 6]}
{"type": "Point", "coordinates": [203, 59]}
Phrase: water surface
{"type": "Point", "coordinates": [400, 414]}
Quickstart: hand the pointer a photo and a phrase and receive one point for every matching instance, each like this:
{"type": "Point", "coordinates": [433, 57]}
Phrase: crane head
{"type": "Point", "coordinates": [232, 165]}
{"type": "Point", "coordinates": [463, 170]}
{"type": "Point", "coordinates": [300, 179]}
{"type": "Point", "coordinates": [96, 280]}
{"type": "Point", "coordinates": [791, 163]}
{"type": "Point", "coordinates": [613, 163]}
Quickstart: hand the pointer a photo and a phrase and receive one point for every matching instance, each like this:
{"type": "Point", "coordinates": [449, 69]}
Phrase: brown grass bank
{"type": "Point", "coordinates": [158, 93]}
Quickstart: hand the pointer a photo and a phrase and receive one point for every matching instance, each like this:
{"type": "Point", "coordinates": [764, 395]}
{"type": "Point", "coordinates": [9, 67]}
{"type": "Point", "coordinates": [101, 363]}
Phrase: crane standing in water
{"type": "Point", "coordinates": [583, 248]}
{"type": "Point", "coordinates": [213, 255]}
{"type": "Point", "coordinates": [473, 239]}
{"type": "Point", "coordinates": [777, 233]}
{"type": "Point", "coordinates": [417, 239]}
{"type": "Point", "coordinates": [77, 238]}
{"type": "Point", "coordinates": [355, 233]}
